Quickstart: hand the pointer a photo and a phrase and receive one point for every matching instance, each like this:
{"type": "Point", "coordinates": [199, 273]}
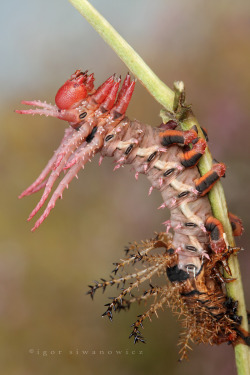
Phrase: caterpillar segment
{"type": "Point", "coordinates": [195, 252]}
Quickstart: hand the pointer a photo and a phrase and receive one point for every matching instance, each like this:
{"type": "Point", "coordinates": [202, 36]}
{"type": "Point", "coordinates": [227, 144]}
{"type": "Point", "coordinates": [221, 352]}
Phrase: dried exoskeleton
{"type": "Point", "coordinates": [196, 295]}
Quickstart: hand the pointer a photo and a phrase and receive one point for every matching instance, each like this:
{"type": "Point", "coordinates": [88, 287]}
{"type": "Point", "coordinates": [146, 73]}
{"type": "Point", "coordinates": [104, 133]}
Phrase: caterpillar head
{"type": "Point", "coordinates": [74, 90]}
{"type": "Point", "coordinates": [70, 99]}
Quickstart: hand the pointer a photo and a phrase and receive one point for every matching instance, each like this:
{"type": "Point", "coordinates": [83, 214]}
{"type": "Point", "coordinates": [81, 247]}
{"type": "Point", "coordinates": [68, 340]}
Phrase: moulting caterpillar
{"type": "Point", "coordinates": [194, 256]}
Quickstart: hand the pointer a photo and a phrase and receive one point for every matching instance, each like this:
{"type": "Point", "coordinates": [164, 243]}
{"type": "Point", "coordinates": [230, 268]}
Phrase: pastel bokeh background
{"type": "Point", "coordinates": [44, 275]}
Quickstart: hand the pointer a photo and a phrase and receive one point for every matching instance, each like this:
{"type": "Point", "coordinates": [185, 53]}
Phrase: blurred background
{"type": "Point", "coordinates": [44, 309]}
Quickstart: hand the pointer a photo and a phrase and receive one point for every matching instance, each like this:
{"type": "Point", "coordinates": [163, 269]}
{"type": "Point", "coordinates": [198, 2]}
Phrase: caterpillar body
{"type": "Point", "coordinates": [197, 251]}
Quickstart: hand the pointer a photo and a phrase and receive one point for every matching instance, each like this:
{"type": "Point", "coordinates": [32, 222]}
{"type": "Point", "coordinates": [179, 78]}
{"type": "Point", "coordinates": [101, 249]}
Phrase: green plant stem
{"type": "Point", "coordinates": [134, 62]}
{"type": "Point", "coordinates": [165, 96]}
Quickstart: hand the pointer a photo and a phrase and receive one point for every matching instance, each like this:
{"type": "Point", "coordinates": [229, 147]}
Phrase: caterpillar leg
{"type": "Point", "coordinates": [236, 224]}
{"type": "Point", "coordinates": [219, 246]}
{"type": "Point", "coordinates": [205, 183]}
{"type": "Point", "coordinates": [216, 231]}
{"type": "Point", "coordinates": [177, 137]}
{"type": "Point", "coordinates": [190, 158]}
{"type": "Point", "coordinates": [216, 234]}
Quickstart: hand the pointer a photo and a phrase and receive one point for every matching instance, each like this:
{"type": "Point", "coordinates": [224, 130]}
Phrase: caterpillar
{"type": "Point", "coordinates": [196, 253]}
